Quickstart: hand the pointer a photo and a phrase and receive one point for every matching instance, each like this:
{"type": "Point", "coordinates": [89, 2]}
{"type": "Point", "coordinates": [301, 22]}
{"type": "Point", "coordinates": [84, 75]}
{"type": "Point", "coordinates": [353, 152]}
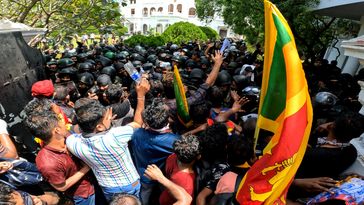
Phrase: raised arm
{"type": "Point", "coordinates": [209, 46]}
{"type": "Point", "coordinates": [224, 116]}
{"type": "Point", "coordinates": [218, 59]}
{"type": "Point", "coordinates": [179, 193]}
{"type": "Point", "coordinates": [141, 89]}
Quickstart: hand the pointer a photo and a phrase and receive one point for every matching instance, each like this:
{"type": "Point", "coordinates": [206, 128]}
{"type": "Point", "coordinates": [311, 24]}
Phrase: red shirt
{"type": "Point", "coordinates": [56, 166]}
{"type": "Point", "coordinates": [183, 179]}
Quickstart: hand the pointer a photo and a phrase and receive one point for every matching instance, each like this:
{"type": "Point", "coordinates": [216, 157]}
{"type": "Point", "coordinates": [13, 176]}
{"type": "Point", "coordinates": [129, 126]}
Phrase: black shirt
{"type": "Point", "coordinates": [326, 162]}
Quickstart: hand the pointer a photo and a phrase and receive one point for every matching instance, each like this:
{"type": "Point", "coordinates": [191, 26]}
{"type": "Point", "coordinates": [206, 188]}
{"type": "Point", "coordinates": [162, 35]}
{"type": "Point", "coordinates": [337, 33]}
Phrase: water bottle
{"type": "Point", "coordinates": [133, 73]}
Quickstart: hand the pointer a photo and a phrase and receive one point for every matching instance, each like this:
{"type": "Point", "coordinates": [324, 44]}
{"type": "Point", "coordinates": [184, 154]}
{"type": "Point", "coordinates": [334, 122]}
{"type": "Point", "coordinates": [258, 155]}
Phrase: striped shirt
{"type": "Point", "coordinates": [107, 154]}
{"type": "Point", "coordinates": [3, 130]}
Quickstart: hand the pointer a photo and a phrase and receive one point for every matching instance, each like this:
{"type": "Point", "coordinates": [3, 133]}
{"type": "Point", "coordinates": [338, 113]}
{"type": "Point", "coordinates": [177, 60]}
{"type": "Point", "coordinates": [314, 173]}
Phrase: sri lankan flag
{"type": "Point", "coordinates": [181, 101]}
{"type": "Point", "coordinates": [285, 110]}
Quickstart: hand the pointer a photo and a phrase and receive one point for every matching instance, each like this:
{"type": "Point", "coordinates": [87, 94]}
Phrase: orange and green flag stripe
{"type": "Point", "coordinates": [285, 110]}
{"type": "Point", "coordinates": [181, 101]}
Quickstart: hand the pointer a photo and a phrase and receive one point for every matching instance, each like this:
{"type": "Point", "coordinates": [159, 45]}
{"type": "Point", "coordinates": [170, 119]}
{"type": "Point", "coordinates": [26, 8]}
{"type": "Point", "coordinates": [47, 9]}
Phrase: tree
{"type": "Point", "coordinates": [64, 17]}
{"type": "Point", "coordinates": [142, 40]}
{"type": "Point", "coordinates": [209, 32]}
{"type": "Point", "coordinates": [183, 32]}
{"type": "Point", "coordinates": [313, 33]}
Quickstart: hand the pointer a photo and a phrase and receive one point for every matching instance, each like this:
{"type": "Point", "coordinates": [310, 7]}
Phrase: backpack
{"type": "Point", "coordinates": [227, 198]}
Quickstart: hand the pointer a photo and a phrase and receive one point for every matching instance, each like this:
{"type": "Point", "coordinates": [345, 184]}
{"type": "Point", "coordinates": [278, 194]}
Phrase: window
{"type": "Point", "coordinates": [132, 11]}
{"type": "Point", "coordinates": [145, 12]}
{"type": "Point", "coordinates": [170, 8]}
{"type": "Point", "coordinates": [160, 9]}
{"type": "Point", "coordinates": [131, 29]}
{"type": "Point", "coordinates": [152, 10]}
{"type": "Point", "coordinates": [192, 12]}
{"type": "Point", "coordinates": [159, 28]}
{"type": "Point", "coordinates": [179, 8]}
{"type": "Point", "coordinates": [145, 29]}
{"type": "Point", "coordinates": [132, 1]}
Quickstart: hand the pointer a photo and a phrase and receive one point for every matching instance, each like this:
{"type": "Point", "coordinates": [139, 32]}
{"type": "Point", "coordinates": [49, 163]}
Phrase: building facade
{"type": "Point", "coordinates": [149, 16]}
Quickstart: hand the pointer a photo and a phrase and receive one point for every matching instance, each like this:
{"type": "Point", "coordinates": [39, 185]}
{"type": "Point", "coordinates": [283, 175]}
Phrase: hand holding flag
{"type": "Point", "coordinates": [285, 109]}
{"type": "Point", "coordinates": [225, 45]}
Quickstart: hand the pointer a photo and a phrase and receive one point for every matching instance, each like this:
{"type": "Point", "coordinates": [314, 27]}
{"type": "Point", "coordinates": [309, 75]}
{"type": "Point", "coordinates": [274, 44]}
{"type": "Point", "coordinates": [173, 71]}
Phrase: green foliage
{"type": "Point", "coordinates": [155, 41]}
{"type": "Point", "coordinates": [183, 32]}
{"type": "Point", "coordinates": [66, 17]}
{"type": "Point", "coordinates": [144, 40]}
{"type": "Point", "coordinates": [313, 33]}
{"type": "Point", "coordinates": [209, 32]}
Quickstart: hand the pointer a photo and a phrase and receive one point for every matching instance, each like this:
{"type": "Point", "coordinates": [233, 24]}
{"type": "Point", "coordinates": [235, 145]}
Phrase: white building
{"type": "Point", "coordinates": [144, 16]}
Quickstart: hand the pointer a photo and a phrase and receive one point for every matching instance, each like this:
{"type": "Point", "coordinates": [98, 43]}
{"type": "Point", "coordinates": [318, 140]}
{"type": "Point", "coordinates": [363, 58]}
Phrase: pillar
{"type": "Point", "coordinates": [352, 64]}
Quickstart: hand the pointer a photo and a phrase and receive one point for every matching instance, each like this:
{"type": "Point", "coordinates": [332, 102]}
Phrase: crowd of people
{"type": "Point", "coordinates": [105, 138]}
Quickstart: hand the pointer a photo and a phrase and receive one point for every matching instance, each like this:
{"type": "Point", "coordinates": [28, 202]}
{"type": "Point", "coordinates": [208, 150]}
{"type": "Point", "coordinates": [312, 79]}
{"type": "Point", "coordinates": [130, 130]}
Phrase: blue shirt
{"type": "Point", "coordinates": [151, 147]}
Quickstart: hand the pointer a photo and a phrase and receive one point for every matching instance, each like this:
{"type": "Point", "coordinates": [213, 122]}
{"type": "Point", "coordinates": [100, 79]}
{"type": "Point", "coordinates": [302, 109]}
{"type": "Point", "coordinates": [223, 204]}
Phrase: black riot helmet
{"type": "Point", "coordinates": [125, 53]}
{"type": "Point", "coordinates": [119, 66]}
{"type": "Point", "coordinates": [325, 99]}
{"type": "Point", "coordinates": [65, 62]}
{"type": "Point", "coordinates": [197, 76]}
{"type": "Point", "coordinates": [109, 70]}
{"type": "Point", "coordinates": [240, 82]}
{"type": "Point", "coordinates": [173, 47]}
{"type": "Point", "coordinates": [134, 56]}
{"type": "Point", "coordinates": [86, 78]}
{"type": "Point", "coordinates": [103, 61]}
{"type": "Point", "coordinates": [82, 57]}
{"type": "Point", "coordinates": [84, 67]}
{"type": "Point", "coordinates": [148, 67]}
{"type": "Point", "coordinates": [232, 66]}
{"type": "Point", "coordinates": [137, 63]}
{"type": "Point", "coordinates": [176, 59]}
{"type": "Point", "coordinates": [104, 80]}
{"type": "Point", "coordinates": [68, 71]}
{"type": "Point", "coordinates": [67, 74]}
{"type": "Point", "coordinates": [223, 78]}
{"type": "Point", "coordinates": [197, 73]}
{"type": "Point", "coordinates": [120, 56]}
{"type": "Point", "coordinates": [152, 58]}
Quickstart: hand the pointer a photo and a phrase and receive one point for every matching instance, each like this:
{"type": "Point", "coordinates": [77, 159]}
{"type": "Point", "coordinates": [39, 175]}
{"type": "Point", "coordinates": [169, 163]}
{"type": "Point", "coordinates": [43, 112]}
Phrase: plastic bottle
{"type": "Point", "coordinates": [133, 73]}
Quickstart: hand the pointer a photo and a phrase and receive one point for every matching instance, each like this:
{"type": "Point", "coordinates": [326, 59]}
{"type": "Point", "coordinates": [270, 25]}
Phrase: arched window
{"type": "Point", "coordinates": [160, 9]}
{"type": "Point", "coordinates": [152, 10]}
{"type": "Point", "coordinates": [167, 25]}
{"type": "Point", "coordinates": [145, 29]}
{"type": "Point", "coordinates": [170, 8]}
{"type": "Point", "coordinates": [145, 12]}
{"type": "Point", "coordinates": [131, 29]}
{"type": "Point", "coordinates": [223, 33]}
{"type": "Point", "coordinates": [192, 12]}
{"type": "Point", "coordinates": [179, 8]}
{"type": "Point", "coordinates": [159, 28]}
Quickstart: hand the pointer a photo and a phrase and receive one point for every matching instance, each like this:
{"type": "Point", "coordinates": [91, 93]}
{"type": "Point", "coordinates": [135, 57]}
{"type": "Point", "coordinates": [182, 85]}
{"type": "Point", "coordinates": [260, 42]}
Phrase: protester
{"type": "Point", "coordinates": [178, 193]}
{"type": "Point", "coordinates": [120, 140]}
{"type": "Point", "coordinates": [105, 148]}
{"type": "Point", "coordinates": [153, 143]}
{"type": "Point", "coordinates": [7, 147]}
{"type": "Point", "coordinates": [179, 167]}
{"type": "Point", "coordinates": [63, 172]}
{"type": "Point", "coordinates": [125, 199]}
